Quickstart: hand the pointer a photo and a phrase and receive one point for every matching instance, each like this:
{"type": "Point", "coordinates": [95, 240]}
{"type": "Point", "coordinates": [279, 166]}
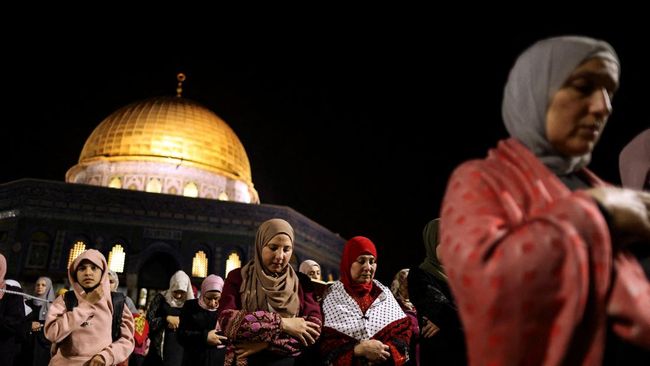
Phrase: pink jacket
{"type": "Point", "coordinates": [86, 330]}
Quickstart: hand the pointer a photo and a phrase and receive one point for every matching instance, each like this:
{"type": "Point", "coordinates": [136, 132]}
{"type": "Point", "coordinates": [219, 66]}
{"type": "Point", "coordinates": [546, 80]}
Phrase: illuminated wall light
{"type": "Point", "coordinates": [77, 249]}
{"type": "Point", "coordinates": [200, 265]}
{"type": "Point", "coordinates": [116, 259]}
{"type": "Point", "coordinates": [233, 262]}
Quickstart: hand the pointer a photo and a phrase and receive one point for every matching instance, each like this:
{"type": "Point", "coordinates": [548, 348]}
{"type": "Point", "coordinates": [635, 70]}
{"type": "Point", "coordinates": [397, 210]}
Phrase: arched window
{"type": "Point", "coordinates": [200, 265]}
{"type": "Point", "coordinates": [77, 249]}
{"type": "Point", "coordinates": [191, 190]}
{"type": "Point", "coordinates": [116, 258]}
{"type": "Point", "coordinates": [116, 182]}
{"type": "Point", "coordinates": [172, 190]}
{"type": "Point", "coordinates": [154, 186]}
{"type": "Point", "coordinates": [232, 262]}
{"type": "Point", "coordinates": [223, 196]}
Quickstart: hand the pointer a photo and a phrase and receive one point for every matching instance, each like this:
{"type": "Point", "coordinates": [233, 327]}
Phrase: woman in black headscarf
{"type": "Point", "coordinates": [441, 335]}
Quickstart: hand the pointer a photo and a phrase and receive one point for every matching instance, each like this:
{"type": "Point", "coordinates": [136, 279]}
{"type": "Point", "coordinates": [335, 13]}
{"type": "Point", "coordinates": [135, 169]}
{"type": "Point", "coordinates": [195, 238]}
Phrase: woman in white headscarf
{"type": "Point", "coordinates": [533, 243]}
{"type": "Point", "coordinates": [39, 345]}
{"type": "Point", "coordinates": [164, 318]}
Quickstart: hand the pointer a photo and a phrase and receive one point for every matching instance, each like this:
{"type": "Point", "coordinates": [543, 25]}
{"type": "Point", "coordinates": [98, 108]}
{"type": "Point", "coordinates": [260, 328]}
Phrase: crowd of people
{"type": "Point", "coordinates": [533, 261]}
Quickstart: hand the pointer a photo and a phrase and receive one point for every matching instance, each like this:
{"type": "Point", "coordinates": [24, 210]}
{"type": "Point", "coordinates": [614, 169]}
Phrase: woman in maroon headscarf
{"type": "Point", "coordinates": [363, 321]}
{"type": "Point", "coordinates": [268, 311]}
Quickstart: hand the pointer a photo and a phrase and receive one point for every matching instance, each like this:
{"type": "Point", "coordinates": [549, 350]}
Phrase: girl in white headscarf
{"type": "Point", "coordinates": [164, 318]}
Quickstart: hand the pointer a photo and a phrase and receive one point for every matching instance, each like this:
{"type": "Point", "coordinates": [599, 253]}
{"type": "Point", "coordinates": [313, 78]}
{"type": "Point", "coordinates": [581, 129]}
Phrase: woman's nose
{"type": "Point", "coordinates": [601, 102]}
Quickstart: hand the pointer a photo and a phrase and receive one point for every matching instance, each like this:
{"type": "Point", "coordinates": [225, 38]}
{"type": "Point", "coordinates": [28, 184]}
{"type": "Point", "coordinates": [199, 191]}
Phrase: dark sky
{"type": "Point", "coordinates": [357, 131]}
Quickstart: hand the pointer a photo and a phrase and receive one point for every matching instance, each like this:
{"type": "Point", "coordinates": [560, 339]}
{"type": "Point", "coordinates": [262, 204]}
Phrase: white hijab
{"type": "Point", "coordinates": [179, 281]}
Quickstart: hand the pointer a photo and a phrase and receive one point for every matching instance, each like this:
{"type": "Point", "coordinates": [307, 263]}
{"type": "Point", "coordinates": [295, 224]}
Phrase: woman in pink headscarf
{"type": "Point", "coordinates": [196, 333]}
{"type": "Point", "coordinates": [83, 335]}
{"type": "Point", "coordinates": [12, 314]}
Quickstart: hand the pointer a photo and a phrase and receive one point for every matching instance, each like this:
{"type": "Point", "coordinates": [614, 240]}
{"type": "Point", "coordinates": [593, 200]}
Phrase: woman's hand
{"type": "Point", "coordinates": [97, 360]}
{"type": "Point", "coordinates": [172, 322]}
{"type": "Point", "coordinates": [373, 350]}
{"type": "Point", "coordinates": [215, 339]}
{"type": "Point", "coordinates": [244, 350]}
{"type": "Point", "coordinates": [304, 331]}
{"type": "Point", "coordinates": [94, 296]}
{"type": "Point", "coordinates": [629, 211]}
{"type": "Point", "coordinates": [429, 329]}
{"type": "Point", "coordinates": [36, 326]}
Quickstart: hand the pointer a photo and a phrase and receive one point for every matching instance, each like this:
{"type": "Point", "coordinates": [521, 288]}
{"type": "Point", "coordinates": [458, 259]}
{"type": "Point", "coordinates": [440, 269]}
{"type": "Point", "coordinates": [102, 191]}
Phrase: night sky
{"type": "Point", "coordinates": [359, 131]}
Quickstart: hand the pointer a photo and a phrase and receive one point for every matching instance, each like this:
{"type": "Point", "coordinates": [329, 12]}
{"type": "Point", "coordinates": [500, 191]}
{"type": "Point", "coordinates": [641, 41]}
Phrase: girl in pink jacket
{"type": "Point", "coordinates": [83, 335]}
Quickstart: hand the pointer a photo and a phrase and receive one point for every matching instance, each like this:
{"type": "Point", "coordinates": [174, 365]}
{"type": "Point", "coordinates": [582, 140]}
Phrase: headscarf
{"type": "Point", "coordinates": [259, 290]}
{"type": "Point", "coordinates": [307, 265]}
{"type": "Point", "coordinates": [14, 283]}
{"type": "Point", "coordinates": [210, 283]}
{"type": "Point", "coordinates": [3, 272]}
{"type": "Point", "coordinates": [399, 286]}
{"type": "Point", "coordinates": [112, 275]}
{"type": "Point", "coordinates": [98, 259]}
{"type": "Point", "coordinates": [634, 162]}
{"type": "Point", "coordinates": [359, 245]}
{"type": "Point", "coordinates": [431, 239]}
{"type": "Point", "coordinates": [48, 295]}
{"type": "Point", "coordinates": [539, 72]}
{"type": "Point", "coordinates": [179, 281]}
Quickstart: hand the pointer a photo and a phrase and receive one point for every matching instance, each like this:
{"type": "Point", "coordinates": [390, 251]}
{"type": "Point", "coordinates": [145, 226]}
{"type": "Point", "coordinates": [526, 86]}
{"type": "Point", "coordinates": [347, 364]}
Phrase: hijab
{"type": "Point", "coordinates": [98, 259]}
{"type": "Point", "coordinates": [179, 281]}
{"type": "Point", "coordinates": [260, 290]}
{"type": "Point", "coordinates": [359, 245]}
{"type": "Point", "coordinates": [634, 162]}
{"type": "Point", "coordinates": [399, 286]}
{"type": "Point", "coordinates": [210, 283]}
{"type": "Point", "coordinates": [307, 265]}
{"type": "Point", "coordinates": [431, 240]}
{"type": "Point", "coordinates": [539, 72]}
{"type": "Point", "coordinates": [3, 272]}
{"type": "Point", "coordinates": [14, 283]}
{"type": "Point", "coordinates": [48, 296]}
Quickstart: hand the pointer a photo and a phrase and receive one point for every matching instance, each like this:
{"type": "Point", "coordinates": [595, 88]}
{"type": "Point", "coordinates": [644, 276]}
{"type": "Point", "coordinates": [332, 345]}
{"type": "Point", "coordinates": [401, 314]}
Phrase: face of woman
{"type": "Point", "coordinates": [578, 111]}
{"type": "Point", "coordinates": [40, 287]}
{"type": "Point", "coordinates": [363, 269]}
{"type": "Point", "coordinates": [276, 253]}
{"type": "Point", "coordinates": [314, 272]}
{"type": "Point", "coordinates": [211, 299]}
{"type": "Point", "coordinates": [113, 283]}
{"type": "Point", "coordinates": [88, 274]}
{"type": "Point", "coordinates": [178, 294]}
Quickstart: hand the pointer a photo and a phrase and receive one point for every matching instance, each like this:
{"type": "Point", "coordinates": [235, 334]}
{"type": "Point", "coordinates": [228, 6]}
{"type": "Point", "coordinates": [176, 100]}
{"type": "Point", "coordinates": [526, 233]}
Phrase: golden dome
{"type": "Point", "coordinates": [169, 129]}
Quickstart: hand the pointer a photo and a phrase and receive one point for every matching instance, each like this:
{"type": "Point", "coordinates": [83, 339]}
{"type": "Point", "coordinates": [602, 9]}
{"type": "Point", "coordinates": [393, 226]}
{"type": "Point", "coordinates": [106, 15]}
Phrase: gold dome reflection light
{"type": "Point", "coordinates": [179, 88]}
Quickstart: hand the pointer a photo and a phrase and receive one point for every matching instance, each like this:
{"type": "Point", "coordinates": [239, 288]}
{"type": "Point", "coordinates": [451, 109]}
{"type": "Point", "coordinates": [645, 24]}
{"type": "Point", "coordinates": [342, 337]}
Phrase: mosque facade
{"type": "Point", "coordinates": [161, 185]}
